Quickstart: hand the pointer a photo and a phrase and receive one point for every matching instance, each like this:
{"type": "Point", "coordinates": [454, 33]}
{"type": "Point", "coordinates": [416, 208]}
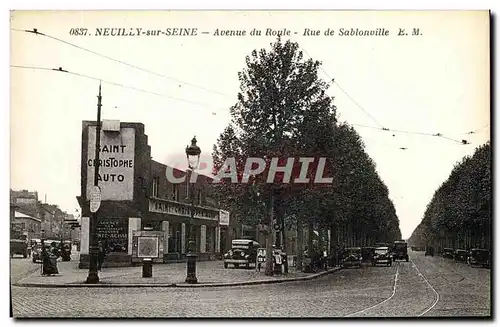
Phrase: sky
{"type": "Point", "coordinates": [436, 82]}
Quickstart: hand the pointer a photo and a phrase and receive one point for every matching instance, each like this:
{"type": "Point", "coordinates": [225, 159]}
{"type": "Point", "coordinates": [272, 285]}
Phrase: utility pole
{"type": "Point", "coordinates": [93, 277]}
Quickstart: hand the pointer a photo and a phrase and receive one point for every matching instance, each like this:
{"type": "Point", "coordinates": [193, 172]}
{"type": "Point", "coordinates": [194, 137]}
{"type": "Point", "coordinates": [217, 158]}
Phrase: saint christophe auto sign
{"type": "Point", "coordinates": [116, 163]}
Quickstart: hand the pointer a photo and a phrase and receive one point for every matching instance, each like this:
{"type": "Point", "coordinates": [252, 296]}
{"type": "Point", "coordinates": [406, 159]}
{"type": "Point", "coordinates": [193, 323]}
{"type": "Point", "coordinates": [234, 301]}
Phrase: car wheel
{"type": "Point", "coordinates": [247, 266]}
{"type": "Point", "coordinates": [236, 265]}
{"type": "Point", "coordinates": [225, 265]}
{"type": "Point", "coordinates": [25, 255]}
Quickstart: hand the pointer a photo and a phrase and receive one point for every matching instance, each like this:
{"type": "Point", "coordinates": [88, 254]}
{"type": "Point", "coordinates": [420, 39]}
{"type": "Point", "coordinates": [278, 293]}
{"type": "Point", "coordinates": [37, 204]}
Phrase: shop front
{"type": "Point", "coordinates": [174, 219]}
{"type": "Point", "coordinates": [135, 194]}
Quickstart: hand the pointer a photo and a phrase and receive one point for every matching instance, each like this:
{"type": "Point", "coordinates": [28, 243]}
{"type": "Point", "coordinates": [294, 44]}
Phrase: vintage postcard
{"type": "Point", "coordinates": [239, 164]}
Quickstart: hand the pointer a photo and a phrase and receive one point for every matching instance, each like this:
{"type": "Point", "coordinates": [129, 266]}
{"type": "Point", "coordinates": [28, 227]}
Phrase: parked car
{"type": "Point", "coordinates": [479, 257]}
{"type": "Point", "coordinates": [382, 256]}
{"type": "Point", "coordinates": [20, 247]}
{"type": "Point", "coordinates": [429, 251]}
{"type": "Point", "coordinates": [36, 250]}
{"type": "Point", "coordinates": [460, 255]}
{"type": "Point", "coordinates": [352, 257]}
{"type": "Point", "coordinates": [448, 253]}
{"type": "Point", "coordinates": [400, 251]}
{"type": "Point", "coordinates": [313, 262]}
{"type": "Point", "coordinates": [243, 252]}
{"type": "Point", "coordinates": [367, 253]}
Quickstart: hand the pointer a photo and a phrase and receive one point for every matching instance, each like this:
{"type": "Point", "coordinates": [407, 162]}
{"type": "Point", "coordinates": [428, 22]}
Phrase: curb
{"type": "Point", "coordinates": [173, 285]}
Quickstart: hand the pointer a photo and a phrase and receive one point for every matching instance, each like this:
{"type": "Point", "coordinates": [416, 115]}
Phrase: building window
{"type": "Point", "coordinates": [155, 186]}
{"type": "Point", "coordinates": [199, 197]}
{"type": "Point", "coordinates": [175, 192]}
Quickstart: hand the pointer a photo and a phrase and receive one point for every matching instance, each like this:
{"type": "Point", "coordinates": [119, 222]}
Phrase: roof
{"type": "Point", "coordinates": [22, 215]}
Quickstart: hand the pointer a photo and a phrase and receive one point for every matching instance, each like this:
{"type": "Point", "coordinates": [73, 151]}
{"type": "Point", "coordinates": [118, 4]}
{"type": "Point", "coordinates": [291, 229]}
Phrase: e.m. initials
{"type": "Point", "coordinates": [415, 32]}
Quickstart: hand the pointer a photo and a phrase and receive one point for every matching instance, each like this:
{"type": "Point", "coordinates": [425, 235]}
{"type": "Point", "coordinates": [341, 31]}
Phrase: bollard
{"type": "Point", "coordinates": [147, 268]}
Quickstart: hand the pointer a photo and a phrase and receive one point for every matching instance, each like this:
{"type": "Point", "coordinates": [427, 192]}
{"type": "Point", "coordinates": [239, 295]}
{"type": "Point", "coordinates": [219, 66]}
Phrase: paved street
{"type": "Point", "coordinates": [453, 290]}
{"type": "Point", "coordinates": [21, 268]}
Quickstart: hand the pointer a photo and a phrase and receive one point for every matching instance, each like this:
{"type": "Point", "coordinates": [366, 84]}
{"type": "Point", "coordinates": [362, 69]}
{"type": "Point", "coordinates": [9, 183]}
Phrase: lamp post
{"type": "Point", "coordinates": [93, 277]}
{"type": "Point", "coordinates": [193, 157]}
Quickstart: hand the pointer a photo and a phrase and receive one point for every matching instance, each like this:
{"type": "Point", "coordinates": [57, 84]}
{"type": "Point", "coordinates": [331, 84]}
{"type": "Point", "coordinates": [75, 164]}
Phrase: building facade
{"type": "Point", "coordinates": [25, 225]}
{"type": "Point", "coordinates": [135, 194]}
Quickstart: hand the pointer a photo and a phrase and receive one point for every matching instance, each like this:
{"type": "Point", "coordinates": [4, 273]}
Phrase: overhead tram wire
{"type": "Point", "coordinates": [381, 127]}
{"type": "Point", "coordinates": [332, 80]}
{"type": "Point", "coordinates": [60, 69]}
{"type": "Point", "coordinates": [463, 142]}
{"type": "Point", "coordinates": [36, 32]}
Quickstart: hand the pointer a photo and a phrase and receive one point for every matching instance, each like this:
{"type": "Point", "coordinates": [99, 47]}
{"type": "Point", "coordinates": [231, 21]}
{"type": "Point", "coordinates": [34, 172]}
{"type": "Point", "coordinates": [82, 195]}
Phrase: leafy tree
{"type": "Point", "coordinates": [283, 111]}
{"type": "Point", "coordinates": [459, 214]}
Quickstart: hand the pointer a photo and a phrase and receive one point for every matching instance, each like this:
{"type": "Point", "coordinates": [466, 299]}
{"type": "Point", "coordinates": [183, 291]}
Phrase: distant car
{"type": "Point", "coordinates": [400, 251]}
{"type": "Point", "coordinates": [352, 257]}
{"type": "Point", "coordinates": [479, 257]}
{"type": "Point", "coordinates": [461, 255]}
{"type": "Point", "coordinates": [243, 252]}
{"type": "Point", "coordinates": [367, 253]}
{"type": "Point", "coordinates": [448, 253]}
{"type": "Point", "coordinates": [429, 251]}
{"type": "Point", "coordinates": [19, 247]}
{"type": "Point", "coordinates": [382, 256]}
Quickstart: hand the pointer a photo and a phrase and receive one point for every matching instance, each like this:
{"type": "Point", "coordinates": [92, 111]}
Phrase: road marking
{"type": "Point", "coordinates": [380, 303]}
{"type": "Point", "coordinates": [432, 288]}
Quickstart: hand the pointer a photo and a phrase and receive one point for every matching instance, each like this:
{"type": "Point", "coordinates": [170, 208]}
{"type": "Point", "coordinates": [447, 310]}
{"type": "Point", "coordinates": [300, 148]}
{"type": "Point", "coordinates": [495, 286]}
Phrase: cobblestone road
{"type": "Point", "coordinates": [368, 292]}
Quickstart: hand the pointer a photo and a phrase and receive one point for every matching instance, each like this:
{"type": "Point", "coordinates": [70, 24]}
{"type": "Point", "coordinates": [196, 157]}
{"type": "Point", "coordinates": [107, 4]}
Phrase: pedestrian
{"type": "Point", "coordinates": [101, 254]}
{"type": "Point", "coordinates": [49, 260]}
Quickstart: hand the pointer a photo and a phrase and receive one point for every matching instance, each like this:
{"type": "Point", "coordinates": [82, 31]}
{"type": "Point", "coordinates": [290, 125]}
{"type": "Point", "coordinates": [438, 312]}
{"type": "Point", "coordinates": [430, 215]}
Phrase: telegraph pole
{"type": "Point", "coordinates": [93, 277]}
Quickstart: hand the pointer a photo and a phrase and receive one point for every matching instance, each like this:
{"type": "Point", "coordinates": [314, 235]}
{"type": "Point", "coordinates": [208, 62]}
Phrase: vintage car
{"type": "Point", "coordinates": [429, 251]}
{"type": "Point", "coordinates": [479, 257]}
{"type": "Point", "coordinates": [448, 253]}
{"type": "Point", "coordinates": [382, 256]}
{"type": "Point", "coordinates": [314, 261]}
{"type": "Point", "coordinates": [400, 251]}
{"type": "Point", "coordinates": [367, 253]}
{"type": "Point", "coordinates": [352, 257]}
{"type": "Point", "coordinates": [460, 255]}
{"type": "Point", "coordinates": [19, 246]}
{"type": "Point", "coordinates": [36, 250]}
{"type": "Point", "coordinates": [243, 252]}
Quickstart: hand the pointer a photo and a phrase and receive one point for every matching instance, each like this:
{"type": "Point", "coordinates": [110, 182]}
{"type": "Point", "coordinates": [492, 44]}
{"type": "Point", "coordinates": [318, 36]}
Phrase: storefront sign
{"type": "Point", "coordinates": [224, 218]}
{"type": "Point", "coordinates": [116, 164]}
{"type": "Point", "coordinates": [113, 232]}
{"type": "Point", "coordinates": [178, 209]}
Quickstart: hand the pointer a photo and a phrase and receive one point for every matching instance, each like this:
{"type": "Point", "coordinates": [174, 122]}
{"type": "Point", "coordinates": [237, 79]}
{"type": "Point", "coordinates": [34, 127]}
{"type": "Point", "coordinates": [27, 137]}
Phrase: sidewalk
{"type": "Point", "coordinates": [209, 274]}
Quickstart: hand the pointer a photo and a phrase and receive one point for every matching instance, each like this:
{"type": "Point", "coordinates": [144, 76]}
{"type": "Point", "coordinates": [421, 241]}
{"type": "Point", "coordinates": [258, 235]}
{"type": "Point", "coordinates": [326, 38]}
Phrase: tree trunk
{"type": "Point", "coordinates": [333, 239]}
{"type": "Point", "coordinates": [310, 236]}
{"type": "Point", "coordinates": [269, 238]}
{"type": "Point", "coordinates": [300, 243]}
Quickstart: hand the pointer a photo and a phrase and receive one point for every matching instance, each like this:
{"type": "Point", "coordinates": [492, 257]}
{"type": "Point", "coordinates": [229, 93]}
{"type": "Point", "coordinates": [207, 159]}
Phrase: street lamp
{"type": "Point", "coordinates": [193, 156]}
